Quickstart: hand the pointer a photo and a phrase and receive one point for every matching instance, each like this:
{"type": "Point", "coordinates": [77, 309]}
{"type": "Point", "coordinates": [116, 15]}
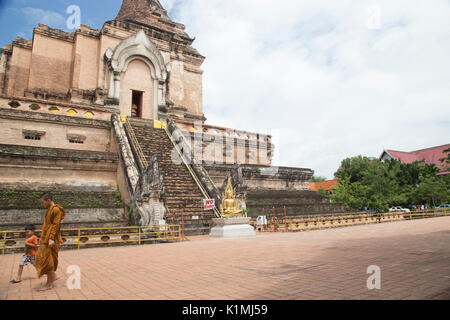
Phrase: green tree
{"type": "Point", "coordinates": [367, 182]}
{"type": "Point", "coordinates": [353, 195]}
{"type": "Point", "coordinates": [318, 179]}
{"type": "Point", "coordinates": [324, 192]}
{"type": "Point", "coordinates": [446, 160]}
{"type": "Point", "coordinates": [432, 191]}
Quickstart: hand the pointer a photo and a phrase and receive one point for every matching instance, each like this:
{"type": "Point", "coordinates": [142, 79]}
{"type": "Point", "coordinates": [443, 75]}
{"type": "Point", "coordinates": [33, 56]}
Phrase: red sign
{"type": "Point", "coordinates": [209, 204]}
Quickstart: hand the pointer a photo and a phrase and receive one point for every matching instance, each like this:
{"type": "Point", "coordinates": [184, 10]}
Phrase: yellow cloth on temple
{"type": "Point", "coordinates": [47, 257]}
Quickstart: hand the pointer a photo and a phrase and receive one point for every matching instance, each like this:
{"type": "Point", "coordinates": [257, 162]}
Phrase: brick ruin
{"type": "Point", "coordinates": [64, 97]}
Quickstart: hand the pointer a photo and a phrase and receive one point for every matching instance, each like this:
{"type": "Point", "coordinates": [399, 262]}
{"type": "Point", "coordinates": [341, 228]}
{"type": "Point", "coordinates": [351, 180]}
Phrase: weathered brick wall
{"type": "Point", "coordinates": [227, 146]}
{"type": "Point", "coordinates": [194, 89]}
{"type": "Point", "coordinates": [185, 87]}
{"type": "Point", "coordinates": [16, 199]}
{"type": "Point", "coordinates": [296, 202]}
{"type": "Point", "coordinates": [83, 209]}
{"type": "Point", "coordinates": [56, 135]}
{"type": "Point", "coordinates": [51, 67]}
{"type": "Point", "coordinates": [19, 71]}
{"type": "Point", "coordinates": [17, 219]}
{"type": "Point", "coordinates": [85, 69]}
{"type": "Point", "coordinates": [136, 9]}
{"type": "Point", "coordinates": [55, 131]}
{"type": "Point", "coordinates": [31, 168]}
{"type": "Point", "coordinates": [63, 66]}
{"type": "Point", "coordinates": [282, 178]}
{"type": "Point", "coordinates": [4, 54]}
{"type": "Point", "coordinates": [106, 41]}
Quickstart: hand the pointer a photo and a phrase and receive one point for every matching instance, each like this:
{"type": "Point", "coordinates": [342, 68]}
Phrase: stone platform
{"type": "Point", "coordinates": [324, 264]}
{"type": "Point", "coordinates": [232, 228]}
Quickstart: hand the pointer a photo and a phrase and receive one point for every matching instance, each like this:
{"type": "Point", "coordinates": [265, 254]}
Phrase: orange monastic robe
{"type": "Point", "coordinates": [47, 258]}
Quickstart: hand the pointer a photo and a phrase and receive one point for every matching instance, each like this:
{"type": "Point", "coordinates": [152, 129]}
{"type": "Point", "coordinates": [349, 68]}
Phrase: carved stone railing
{"type": "Point", "coordinates": [135, 147]}
{"type": "Point", "coordinates": [195, 164]}
{"type": "Point", "coordinates": [130, 167]}
{"type": "Point", "coordinates": [145, 184]}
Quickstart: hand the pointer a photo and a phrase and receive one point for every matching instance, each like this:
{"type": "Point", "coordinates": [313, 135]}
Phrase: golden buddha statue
{"type": "Point", "coordinates": [134, 111]}
{"type": "Point", "coordinates": [230, 206]}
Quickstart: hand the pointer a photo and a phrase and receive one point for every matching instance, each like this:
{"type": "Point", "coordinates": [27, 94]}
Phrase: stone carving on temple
{"type": "Point", "coordinates": [146, 187]}
{"type": "Point", "coordinates": [148, 195]}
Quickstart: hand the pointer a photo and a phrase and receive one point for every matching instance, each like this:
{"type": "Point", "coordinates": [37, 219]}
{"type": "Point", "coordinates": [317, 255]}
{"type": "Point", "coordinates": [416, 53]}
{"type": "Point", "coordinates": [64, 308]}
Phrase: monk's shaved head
{"type": "Point", "coordinates": [47, 196]}
{"type": "Point", "coordinates": [46, 200]}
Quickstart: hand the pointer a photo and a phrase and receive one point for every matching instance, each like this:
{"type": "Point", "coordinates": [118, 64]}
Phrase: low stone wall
{"type": "Point", "coordinates": [296, 224]}
{"type": "Point", "coordinates": [37, 168]}
{"type": "Point", "coordinates": [17, 219]}
{"type": "Point", "coordinates": [277, 187]}
{"type": "Point", "coordinates": [263, 177]}
{"type": "Point", "coordinates": [16, 199]}
{"type": "Point", "coordinates": [54, 131]}
{"type": "Point", "coordinates": [83, 209]}
{"type": "Point", "coordinates": [297, 203]}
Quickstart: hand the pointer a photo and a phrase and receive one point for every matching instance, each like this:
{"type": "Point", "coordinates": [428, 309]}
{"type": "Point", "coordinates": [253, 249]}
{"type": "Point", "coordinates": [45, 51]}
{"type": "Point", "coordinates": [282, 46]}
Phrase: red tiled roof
{"type": "Point", "coordinates": [325, 185]}
{"type": "Point", "coordinates": [430, 155]}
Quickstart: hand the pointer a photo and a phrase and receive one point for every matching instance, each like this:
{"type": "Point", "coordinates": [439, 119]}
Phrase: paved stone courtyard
{"type": "Point", "coordinates": [414, 257]}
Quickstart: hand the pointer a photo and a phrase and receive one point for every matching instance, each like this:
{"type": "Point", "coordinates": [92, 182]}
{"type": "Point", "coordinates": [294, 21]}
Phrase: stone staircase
{"type": "Point", "coordinates": [182, 194]}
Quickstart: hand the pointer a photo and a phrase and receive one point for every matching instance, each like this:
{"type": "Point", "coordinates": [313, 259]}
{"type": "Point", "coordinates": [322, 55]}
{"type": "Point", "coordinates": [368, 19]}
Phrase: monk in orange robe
{"type": "Point", "coordinates": [47, 255]}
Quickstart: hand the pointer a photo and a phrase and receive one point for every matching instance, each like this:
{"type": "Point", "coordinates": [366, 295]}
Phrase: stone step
{"type": "Point", "coordinates": [182, 192]}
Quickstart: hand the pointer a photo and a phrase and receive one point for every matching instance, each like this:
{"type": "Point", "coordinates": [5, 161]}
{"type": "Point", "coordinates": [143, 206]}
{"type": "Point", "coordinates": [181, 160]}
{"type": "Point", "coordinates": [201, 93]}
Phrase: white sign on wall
{"type": "Point", "coordinates": [209, 204]}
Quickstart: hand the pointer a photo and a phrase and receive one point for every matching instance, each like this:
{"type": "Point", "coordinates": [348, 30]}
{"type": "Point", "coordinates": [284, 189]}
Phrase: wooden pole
{"type": "Point", "coordinates": [139, 235]}
{"type": "Point", "coordinates": [264, 225]}
{"type": "Point", "coordinates": [285, 221]}
{"type": "Point", "coordinates": [4, 244]}
{"type": "Point", "coordinates": [182, 227]}
{"type": "Point", "coordinates": [274, 228]}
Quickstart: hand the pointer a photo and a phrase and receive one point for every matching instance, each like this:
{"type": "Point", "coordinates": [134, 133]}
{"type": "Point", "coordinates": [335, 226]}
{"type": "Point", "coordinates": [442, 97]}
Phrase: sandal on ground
{"type": "Point", "coordinates": [15, 281]}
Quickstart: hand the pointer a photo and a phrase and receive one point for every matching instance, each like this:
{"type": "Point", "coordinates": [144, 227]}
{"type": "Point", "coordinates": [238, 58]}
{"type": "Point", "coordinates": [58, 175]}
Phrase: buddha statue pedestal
{"type": "Point", "coordinates": [232, 224]}
{"type": "Point", "coordinates": [232, 228]}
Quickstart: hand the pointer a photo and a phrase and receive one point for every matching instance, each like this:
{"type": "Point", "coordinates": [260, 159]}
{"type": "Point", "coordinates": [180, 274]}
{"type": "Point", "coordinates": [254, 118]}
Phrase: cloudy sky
{"type": "Point", "coordinates": [329, 79]}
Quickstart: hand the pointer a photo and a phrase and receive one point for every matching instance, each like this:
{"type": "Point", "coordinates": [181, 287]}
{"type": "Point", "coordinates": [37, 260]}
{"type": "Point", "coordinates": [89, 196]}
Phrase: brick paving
{"type": "Point", "coordinates": [414, 257]}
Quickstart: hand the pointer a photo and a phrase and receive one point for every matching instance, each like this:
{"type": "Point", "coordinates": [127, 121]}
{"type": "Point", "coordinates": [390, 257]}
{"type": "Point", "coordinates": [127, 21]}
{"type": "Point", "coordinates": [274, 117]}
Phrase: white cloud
{"type": "Point", "coordinates": [314, 71]}
{"type": "Point", "coordinates": [50, 18]}
{"type": "Point", "coordinates": [30, 17]}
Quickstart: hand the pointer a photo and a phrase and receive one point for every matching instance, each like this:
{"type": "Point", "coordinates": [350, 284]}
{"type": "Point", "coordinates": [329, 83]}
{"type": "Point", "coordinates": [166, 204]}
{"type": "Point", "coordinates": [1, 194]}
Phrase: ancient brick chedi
{"type": "Point", "coordinates": [106, 111]}
{"type": "Point", "coordinates": [133, 53]}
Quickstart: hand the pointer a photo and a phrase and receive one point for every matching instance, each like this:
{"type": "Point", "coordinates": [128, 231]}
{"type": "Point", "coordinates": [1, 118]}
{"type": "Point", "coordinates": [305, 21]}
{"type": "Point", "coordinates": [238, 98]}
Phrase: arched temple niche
{"type": "Point", "coordinates": [136, 96]}
{"type": "Point", "coordinates": [137, 73]}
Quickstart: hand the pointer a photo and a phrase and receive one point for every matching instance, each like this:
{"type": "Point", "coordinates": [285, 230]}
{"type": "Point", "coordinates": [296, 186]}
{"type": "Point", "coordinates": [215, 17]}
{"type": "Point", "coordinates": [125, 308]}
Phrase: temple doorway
{"type": "Point", "coordinates": [136, 103]}
{"type": "Point", "coordinates": [137, 83]}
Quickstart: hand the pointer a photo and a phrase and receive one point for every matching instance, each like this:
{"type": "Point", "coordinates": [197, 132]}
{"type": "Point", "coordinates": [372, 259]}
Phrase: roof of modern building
{"type": "Point", "coordinates": [429, 155]}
